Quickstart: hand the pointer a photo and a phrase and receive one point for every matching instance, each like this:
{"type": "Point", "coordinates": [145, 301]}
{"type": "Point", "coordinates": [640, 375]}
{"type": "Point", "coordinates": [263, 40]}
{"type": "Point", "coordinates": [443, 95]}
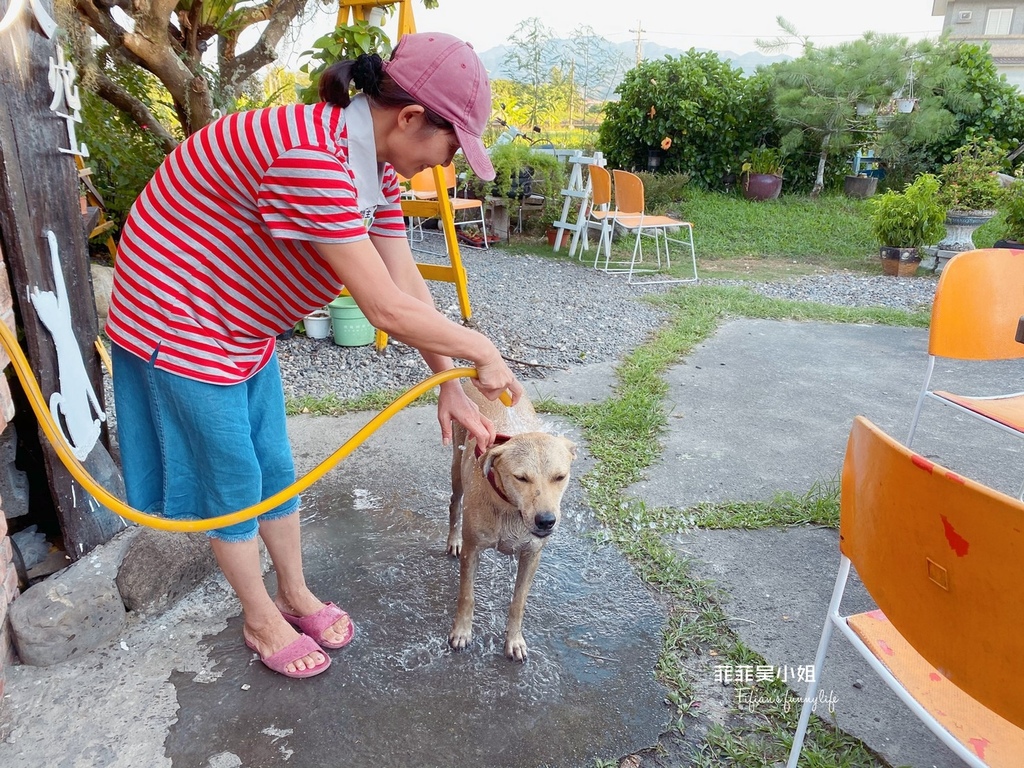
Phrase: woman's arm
{"type": "Point", "coordinates": [388, 288]}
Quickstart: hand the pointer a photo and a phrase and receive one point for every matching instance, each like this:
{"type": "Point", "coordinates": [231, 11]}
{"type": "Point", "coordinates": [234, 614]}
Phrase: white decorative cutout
{"type": "Point", "coordinates": [43, 19]}
{"type": "Point", "coordinates": [66, 102]}
{"type": "Point", "coordinates": [76, 401]}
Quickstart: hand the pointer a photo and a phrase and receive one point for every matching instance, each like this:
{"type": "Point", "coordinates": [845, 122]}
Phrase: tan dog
{"type": "Point", "coordinates": [508, 498]}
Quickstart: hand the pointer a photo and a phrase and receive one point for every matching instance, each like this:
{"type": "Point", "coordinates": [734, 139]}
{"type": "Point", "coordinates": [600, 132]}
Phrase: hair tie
{"type": "Point", "coordinates": [366, 73]}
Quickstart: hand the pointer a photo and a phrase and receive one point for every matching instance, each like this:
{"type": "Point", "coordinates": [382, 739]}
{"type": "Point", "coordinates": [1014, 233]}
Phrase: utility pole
{"type": "Point", "coordinates": [639, 41]}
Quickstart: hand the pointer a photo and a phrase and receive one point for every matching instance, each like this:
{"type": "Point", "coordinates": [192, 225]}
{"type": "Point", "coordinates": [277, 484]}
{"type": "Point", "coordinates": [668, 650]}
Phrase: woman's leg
{"type": "Point", "coordinates": [193, 457]}
{"type": "Point", "coordinates": [264, 627]}
{"type": "Point", "coordinates": [283, 541]}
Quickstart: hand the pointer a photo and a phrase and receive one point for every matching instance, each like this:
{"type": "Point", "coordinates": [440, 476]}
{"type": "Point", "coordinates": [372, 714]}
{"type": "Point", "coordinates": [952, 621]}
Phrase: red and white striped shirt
{"type": "Point", "coordinates": [217, 258]}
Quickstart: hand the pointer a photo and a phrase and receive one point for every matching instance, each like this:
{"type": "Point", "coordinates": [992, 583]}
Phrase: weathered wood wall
{"type": "Point", "coordinates": [39, 193]}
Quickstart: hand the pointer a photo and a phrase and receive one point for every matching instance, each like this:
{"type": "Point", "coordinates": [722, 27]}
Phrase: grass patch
{"type": "Point", "coordinates": [819, 506]}
{"type": "Point", "coordinates": [332, 405]}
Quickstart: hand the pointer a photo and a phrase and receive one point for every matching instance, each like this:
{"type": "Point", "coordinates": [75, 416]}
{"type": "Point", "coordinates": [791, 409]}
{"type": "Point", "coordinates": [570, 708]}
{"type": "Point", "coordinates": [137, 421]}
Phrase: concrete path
{"type": "Point", "coordinates": [766, 406]}
{"type": "Point", "coordinates": [759, 408]}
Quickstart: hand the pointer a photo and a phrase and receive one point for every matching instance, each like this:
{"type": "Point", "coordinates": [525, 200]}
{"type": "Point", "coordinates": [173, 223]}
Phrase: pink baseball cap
{"type": "Point", "coordinates": [444, 73]}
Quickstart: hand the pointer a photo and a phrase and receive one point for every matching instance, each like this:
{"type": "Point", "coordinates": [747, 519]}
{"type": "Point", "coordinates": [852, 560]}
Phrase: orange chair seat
{"type": "Point", "coordinates": [1007, 410]}
{"type": "Point", "coordinates": [992, 738]}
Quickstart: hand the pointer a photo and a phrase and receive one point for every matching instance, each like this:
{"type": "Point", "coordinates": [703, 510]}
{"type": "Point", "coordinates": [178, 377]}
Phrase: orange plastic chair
{"type": "Point", "coordinates": [421, 187]}
{"type": "Point", "coordinates": [978, 302]}
{"type": "Point", "coordinates": [630, 213]}
{"type": "Point", "coordinates": [940, 556]}
{"type": "Point", "coordinates": [600, 212]}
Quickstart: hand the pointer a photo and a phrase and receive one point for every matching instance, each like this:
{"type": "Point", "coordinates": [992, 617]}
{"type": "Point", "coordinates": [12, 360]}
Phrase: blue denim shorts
{"type": "Point", "coordinates": [192, 450]}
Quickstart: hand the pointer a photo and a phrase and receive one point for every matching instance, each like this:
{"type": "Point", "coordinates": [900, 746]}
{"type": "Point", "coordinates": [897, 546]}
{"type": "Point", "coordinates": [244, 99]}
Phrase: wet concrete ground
{"type": "Point", "coordinates": [761, 406]}
{"type": "Point", "coordinates": [374, 534]}
{"type": "Point", "coordinates": [180, 690]}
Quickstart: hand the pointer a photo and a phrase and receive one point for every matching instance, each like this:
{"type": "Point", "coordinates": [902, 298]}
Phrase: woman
{"type": "Point", "coordinates": [250, 224]}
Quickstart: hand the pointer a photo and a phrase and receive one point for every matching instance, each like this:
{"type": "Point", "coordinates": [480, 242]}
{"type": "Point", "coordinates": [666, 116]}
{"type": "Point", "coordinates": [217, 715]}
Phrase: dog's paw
{"type": "Point", "coordinates": [460, 638]}
{"type": "Point", "coordinates": [515, 647]}
{"type": "Point", "coordinates": [454, 547]}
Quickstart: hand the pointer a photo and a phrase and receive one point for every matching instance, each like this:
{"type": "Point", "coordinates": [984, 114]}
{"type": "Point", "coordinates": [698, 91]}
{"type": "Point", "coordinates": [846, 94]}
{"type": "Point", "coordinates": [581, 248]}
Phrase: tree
{"type": "Point", "coordinates": [817, 95]}
{"type": "Point", "coordinates": [594, 63]}
{"type": "Point", "coordinates": [169, 40]}
{"type": "Point", "coordinates": [529, 61]}
{"type": "Point", "coordinates": [695, 108]}
{"type": "Point", "coordinates": [962, 98]}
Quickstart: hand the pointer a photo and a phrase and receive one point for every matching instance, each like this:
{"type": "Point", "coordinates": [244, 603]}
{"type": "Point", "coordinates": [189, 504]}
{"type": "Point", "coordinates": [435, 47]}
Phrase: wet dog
{"type": "Point", "coordinates": [508, 498]}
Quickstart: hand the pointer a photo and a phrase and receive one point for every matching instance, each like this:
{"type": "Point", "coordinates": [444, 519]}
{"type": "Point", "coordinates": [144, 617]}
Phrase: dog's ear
{"type": "Point", "coordinates": [492, 453]}
{"type": "Point", "coordinates": [570, 445]}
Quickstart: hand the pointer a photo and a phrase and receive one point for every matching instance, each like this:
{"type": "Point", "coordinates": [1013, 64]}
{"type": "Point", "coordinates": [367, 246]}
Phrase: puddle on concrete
{"type": "Point", "coordinates": [398, 696]}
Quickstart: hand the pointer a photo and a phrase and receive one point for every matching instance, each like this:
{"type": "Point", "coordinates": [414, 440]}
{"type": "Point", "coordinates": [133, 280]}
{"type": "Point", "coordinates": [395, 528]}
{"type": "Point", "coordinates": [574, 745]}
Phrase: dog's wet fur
{"type": "Point", "coordinates": [531, 471]}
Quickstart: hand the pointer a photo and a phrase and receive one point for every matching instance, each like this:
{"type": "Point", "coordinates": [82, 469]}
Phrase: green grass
{"type": "Point", "coordinates": [738, 238]}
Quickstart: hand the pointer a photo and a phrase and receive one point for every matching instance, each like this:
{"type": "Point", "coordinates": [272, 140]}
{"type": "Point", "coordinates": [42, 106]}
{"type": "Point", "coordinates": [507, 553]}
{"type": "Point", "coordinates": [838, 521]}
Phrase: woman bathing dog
{"type": "Point", "coordinates": [250, 224]}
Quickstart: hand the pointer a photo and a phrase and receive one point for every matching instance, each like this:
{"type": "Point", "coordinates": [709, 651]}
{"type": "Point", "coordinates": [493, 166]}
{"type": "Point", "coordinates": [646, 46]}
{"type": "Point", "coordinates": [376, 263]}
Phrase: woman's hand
{"type": "Point", "coordinates": [493, 377]}
{"type": "Point", "coordinates": [454, 405]}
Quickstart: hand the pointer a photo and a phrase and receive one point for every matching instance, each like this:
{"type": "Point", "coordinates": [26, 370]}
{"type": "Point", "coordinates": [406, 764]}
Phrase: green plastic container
{"type": "Point", "coordinates": [351, 328]}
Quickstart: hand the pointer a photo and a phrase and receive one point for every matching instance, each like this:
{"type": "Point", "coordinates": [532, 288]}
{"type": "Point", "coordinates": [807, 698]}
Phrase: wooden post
{"type": "Point", "coordinates": [39, 213]}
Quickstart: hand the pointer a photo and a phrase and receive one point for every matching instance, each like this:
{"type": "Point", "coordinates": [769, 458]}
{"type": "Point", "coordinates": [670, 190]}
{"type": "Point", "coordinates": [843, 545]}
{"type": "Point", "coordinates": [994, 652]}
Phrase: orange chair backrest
{"type": "Point", "coordinates": [978, 301]}
{"type": "Point", "coordinates": [601, 185]}
{"type": "Point", "coordinates": [629, 192]}
{"type": "Point", "coordinates": [422, 184]}
{"type": "Point", "coordinates": [941, 556]}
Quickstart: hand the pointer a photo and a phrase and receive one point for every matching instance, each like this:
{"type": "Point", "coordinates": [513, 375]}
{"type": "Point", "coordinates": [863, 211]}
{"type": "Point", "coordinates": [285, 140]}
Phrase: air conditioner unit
{"type": "Point", "coordinates": [963, 16]}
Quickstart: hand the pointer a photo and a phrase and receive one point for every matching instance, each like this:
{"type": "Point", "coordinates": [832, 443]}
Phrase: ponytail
{"type": "Point", "coordinates": [366, 73]}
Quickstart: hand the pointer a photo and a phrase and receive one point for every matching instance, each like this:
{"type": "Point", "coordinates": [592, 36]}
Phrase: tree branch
{"type": "Point", "coordinates": [133, 107]}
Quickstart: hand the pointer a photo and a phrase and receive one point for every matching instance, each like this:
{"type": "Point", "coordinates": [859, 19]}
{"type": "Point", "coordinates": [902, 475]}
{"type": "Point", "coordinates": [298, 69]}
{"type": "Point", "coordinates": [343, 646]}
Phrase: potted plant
{"type": "Point", "coordinates": [860, 185]}
{"type": "Point", "coordinates": [970, 193]}
{"type": "Point", "coordinates": [1012, 206]}
{"type": "Point", "coordinates": [761, 174]}
{"type": "Point", "coordinates": [524, 177]}
{"type": "Point", "coordinates": [903, 222]}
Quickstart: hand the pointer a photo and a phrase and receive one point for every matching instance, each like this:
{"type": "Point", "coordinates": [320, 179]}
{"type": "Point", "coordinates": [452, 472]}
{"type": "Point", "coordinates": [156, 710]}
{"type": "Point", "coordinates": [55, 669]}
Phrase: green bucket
{"type": "Point", "coordinates": [351, 328]}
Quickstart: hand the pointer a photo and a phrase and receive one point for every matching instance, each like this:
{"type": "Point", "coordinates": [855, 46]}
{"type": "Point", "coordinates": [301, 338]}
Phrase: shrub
{"type": "Point", "coordinates": [695, 109]}
{"type": "Point", "coordinates": [969, 182]}
{"type": "Point", "coordinates": [909, 219]}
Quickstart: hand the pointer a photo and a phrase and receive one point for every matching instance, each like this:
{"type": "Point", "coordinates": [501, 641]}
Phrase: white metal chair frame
{"type": "Point", "coordinates": [629, 213]}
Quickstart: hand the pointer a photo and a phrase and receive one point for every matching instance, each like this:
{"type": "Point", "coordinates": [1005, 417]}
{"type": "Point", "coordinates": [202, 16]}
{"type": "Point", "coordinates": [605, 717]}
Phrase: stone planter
{"type": "Point", "coordinates": [960, 226]}
{"type": "Point", "coordinates": [860, 186]}
{"type": "Point", "coordinates": [760, 186]}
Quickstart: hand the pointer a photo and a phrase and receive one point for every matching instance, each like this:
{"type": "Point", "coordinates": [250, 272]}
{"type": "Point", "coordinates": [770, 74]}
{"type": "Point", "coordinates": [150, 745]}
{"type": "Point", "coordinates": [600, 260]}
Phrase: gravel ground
{"type": "Point", "coordinates": [547, 314]}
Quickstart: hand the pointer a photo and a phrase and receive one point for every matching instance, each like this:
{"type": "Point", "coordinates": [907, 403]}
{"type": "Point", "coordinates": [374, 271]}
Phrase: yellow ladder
{"type": "Point", "coordinates": [440, 208]}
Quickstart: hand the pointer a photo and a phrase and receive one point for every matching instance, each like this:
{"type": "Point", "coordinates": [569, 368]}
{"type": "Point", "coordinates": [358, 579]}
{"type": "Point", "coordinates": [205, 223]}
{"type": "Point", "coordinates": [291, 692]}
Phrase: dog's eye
{"type": "Point", "coordinates": [522, 478]}
{"type": "Point", "coordinates": [558, 478]}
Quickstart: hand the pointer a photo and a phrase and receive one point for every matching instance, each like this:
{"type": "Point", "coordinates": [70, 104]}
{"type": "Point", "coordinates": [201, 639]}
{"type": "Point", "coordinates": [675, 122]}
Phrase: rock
{"type": "Point", "coordinates": [102, 285]}
{"type": "Point", "coordinates": [161, 567]}
{"type": "Point", "coordinates": [59, 618]}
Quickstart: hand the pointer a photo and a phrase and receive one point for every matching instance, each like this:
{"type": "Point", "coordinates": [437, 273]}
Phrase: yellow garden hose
{"type": "Point", "coordinates": [115, 505]}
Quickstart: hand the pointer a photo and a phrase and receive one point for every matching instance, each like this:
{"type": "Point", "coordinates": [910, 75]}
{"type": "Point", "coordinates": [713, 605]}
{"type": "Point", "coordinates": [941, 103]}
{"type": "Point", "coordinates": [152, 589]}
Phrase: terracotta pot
{"type": "Point", "coordinates": [899, 262]}
{"type": "Point", "coordinates": [760, 186]}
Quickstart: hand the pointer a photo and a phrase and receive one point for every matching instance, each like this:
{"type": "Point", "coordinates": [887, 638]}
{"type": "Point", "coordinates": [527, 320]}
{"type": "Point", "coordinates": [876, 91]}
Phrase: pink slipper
{"type": "Point", "coordinates": [315, 624]}
{"type": "Point", "coordinates": [301, 646]}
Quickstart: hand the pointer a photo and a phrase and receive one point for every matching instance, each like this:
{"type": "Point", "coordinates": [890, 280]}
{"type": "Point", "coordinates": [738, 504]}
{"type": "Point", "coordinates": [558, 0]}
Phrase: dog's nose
{"type": "Point", "coordinates": [544, 521]}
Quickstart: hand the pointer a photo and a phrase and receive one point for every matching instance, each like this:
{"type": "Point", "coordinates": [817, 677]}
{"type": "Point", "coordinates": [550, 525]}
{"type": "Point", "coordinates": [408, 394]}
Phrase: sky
{"type": "Point", "coordinates": [722, 25]}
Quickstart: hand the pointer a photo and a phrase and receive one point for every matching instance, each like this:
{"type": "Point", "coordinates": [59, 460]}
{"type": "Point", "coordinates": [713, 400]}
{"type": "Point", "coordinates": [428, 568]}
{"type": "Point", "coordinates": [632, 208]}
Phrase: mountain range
{"type": "Point", "coordinates": [494, 59]}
